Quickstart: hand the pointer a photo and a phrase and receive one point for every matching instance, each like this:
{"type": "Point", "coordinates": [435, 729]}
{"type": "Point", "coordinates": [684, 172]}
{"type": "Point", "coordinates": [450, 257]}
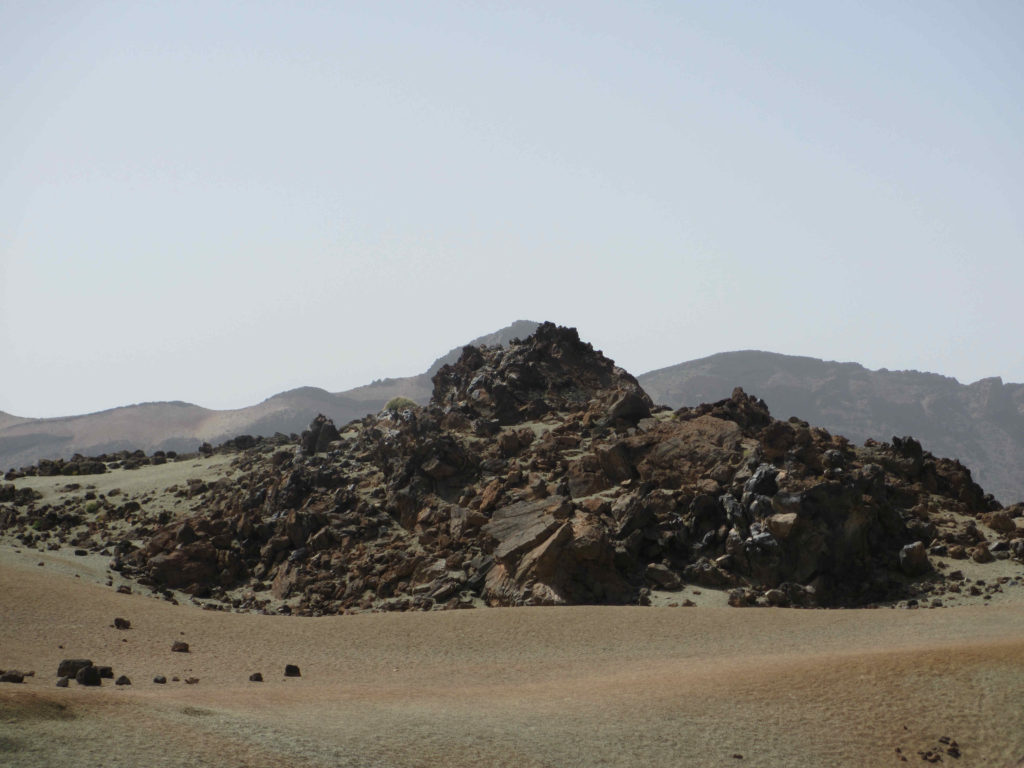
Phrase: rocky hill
{"type": "Point", "coordinates": [982, 424]}
{"type": "Point", "coordinates": [543, 474]}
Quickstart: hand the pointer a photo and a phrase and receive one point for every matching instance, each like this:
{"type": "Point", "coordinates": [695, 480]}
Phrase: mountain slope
{"type": "Point", "coordinates": [982, 424]}
{"type": "Point", "coordinates": [182, 426]}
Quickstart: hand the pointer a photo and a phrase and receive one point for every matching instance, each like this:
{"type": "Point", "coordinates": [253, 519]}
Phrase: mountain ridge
{"type": "Point", "coordinates": [980, 423]}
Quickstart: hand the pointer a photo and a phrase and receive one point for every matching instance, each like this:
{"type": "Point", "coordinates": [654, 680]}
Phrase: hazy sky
{"type": "Point", "coordinates": [215, 202]}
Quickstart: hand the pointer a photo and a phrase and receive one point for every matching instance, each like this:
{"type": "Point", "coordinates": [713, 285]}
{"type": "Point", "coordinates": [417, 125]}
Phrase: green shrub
{"type": "Point", "coordinates": [92, 507]}
{"type": "Point", "coordinates": [399, 404]}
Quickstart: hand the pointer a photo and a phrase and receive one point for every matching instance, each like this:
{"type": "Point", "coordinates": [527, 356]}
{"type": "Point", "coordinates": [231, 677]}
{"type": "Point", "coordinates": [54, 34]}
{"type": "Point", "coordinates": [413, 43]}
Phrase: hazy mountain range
{"type": "Point", "coordinates": [982, 424]}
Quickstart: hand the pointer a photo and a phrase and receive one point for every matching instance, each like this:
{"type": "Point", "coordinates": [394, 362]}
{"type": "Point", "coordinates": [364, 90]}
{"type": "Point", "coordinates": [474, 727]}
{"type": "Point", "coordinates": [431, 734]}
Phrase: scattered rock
{"type": "Point", "coordinates": [70, 667]}
{"type": "Point", "coordinates": [179, 646]}
{"type": "Point", "coordinates": [291, 670]}
{"type": "Point", "coordinates": [123, 680]}
{"type": "Point", "coordinates": [256, 677]}
{"type": "Point", "coordinates": [12, 676]}
{"type": "Point", "coordinates": [122, 624]}
{"type": "Point", "coordinates": [914, 559]}
{"type": "Point", "coordinates": [62, 682]}
{"type": "Point", "coordinates": [88, 676]}
{"type": "Point", "coordinates": [160, 680]}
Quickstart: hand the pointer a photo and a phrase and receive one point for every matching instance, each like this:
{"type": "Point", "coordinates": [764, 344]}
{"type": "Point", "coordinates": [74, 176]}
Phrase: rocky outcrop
{"type": "Point", "coordinates": [981, 423]}
{"type": "Point", "coordinates": [553, 372]}
{"type": "Point", "coordinates": [541, 474]}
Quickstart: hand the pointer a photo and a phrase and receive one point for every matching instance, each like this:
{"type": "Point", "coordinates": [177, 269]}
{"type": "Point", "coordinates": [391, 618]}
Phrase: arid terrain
{"type": "Point", "coordinates": [563, 686]}
{"type": "Point", "coordinates": [640, 547]}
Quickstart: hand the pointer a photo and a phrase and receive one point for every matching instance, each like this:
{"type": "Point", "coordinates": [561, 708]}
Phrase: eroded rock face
{"type": "Point", "coordinates": [542, 474]}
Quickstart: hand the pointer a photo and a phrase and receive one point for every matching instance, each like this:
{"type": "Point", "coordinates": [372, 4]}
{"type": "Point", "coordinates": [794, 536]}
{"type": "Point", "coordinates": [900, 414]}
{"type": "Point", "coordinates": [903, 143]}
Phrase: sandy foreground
{"type": "Point", "coordinates": [588, 686]}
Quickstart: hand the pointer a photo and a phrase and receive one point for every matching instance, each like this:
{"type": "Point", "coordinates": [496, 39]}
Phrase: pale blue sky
{"type": "Point", "coordinates": [215, 202]}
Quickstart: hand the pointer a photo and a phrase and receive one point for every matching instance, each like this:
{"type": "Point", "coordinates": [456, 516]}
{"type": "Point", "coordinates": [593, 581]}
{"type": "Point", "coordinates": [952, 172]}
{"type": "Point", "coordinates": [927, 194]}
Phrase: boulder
{"type": "Point", "coordinates": [89, 676]}
{"type": "Point", "coordinates": [781, 524]}
{"type": "Point", "coordinates": [661, 576]}
{"type": "Point", "coordinates": [70, 667]}
{"type": "Point", "coordinates": [914, 559]}
{"type": "Point", "coordinates": [982, 554]}
{"type": "Point", "coordinates": [520, 527]}
{"type": "Point", "coordinates": [1000, 521]}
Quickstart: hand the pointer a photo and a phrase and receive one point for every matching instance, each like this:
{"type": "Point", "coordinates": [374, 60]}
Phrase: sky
{"type": "Point", "coordinates": [218, 201]}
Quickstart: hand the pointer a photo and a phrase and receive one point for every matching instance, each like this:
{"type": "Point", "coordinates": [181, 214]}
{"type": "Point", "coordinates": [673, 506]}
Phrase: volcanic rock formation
{"type": "Point", "coordinates": [542, 474]}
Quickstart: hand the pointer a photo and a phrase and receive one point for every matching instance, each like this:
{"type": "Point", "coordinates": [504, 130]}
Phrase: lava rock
{"type": "Point", "coordinates": [89, 676]}
{"type": "Point", "coordinates": [70, 667]}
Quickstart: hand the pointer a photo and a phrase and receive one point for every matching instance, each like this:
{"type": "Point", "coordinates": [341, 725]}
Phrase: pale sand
{"type": "Point", "coordinates": [589, 686]}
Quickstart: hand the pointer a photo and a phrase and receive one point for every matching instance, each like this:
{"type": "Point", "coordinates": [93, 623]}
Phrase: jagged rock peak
{"type": "Point", "coordinates": [551, 370]}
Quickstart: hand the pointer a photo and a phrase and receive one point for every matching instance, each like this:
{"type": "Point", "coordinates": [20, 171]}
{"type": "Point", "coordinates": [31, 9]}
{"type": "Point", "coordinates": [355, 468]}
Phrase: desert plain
{"type": "Point", "coordinates": [707, 685]}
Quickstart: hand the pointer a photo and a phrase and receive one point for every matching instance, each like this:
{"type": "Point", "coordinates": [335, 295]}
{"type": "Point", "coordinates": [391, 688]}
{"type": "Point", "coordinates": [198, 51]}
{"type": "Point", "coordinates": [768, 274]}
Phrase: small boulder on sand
{"type": "Point", "coordinates": [70, 667]}
{"type": "Point", "coordinates": [88, 676]}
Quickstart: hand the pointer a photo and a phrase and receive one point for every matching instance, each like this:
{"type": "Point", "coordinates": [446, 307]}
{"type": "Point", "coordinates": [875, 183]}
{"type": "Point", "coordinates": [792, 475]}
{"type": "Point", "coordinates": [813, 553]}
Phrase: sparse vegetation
{"type": "Point", "coordinates": [399, 404]}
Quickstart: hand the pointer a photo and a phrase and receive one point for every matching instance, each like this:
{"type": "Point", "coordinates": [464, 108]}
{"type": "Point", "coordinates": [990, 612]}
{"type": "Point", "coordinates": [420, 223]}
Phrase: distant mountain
{"type": "Point", "coordinates": [182, 426]}
{"type": "Point", "coordinates": [982, 424]}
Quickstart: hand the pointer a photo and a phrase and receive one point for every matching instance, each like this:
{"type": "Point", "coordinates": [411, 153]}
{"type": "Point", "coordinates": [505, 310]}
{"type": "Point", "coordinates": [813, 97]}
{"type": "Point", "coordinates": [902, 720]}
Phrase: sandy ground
{"type": "Point", "coordinates": [588, 686]}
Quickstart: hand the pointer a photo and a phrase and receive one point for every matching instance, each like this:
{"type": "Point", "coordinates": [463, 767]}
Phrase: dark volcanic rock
{"type": "Point", "coordinates": [551, 371]}
{"type": "Point", "coordinates": [319, 435]}
{"type": "Point", "coordinates": [291, 670]}
{"type": "Point", "coordinates": [541, 474]}
{"type": "Point", "coordinates": [88, 676]}
{"type": "Point", "coordinates": [70, 667]}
